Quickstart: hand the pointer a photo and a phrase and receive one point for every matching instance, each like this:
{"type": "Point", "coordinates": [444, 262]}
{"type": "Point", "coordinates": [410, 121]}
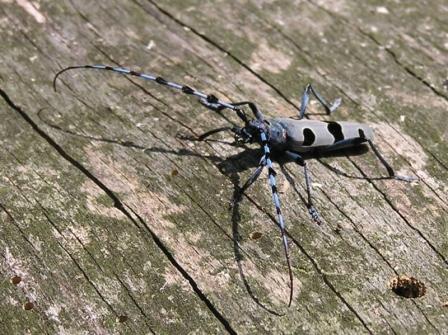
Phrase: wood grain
{"type": "Point", "coordinates": [116, 221]}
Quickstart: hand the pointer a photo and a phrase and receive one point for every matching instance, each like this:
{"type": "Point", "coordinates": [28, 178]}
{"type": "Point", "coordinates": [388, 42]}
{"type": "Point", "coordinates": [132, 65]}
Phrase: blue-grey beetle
{"type": "Point", "coordinates": [281, 135]}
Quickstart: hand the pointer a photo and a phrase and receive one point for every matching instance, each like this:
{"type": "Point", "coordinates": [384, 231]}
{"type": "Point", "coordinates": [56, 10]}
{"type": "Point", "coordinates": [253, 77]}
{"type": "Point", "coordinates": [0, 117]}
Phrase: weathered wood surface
{"type": "Point", "coordinates": [116, 224]}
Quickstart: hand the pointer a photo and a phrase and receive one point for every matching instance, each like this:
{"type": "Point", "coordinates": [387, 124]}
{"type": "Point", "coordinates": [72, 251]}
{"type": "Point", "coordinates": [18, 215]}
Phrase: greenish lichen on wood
{"type": "Point", "coordinates": [116, 222]}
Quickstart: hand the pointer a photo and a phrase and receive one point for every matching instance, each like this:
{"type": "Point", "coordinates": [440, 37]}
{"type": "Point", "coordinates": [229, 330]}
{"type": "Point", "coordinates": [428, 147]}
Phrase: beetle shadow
{"type": "Point", "coordinates": [231, 167]}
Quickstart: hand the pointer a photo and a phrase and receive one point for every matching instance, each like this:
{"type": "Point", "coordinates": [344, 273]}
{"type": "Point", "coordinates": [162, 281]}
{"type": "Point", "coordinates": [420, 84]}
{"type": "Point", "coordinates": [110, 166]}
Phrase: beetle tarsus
{"type": "Point", "coordinates": [306, 98]}
{"type": "Point", "coordinates": [314, 215]}
{"type": "Point", "coordinates": [408, 179]}
{"type": "Point", "coordinates": [335, 105]}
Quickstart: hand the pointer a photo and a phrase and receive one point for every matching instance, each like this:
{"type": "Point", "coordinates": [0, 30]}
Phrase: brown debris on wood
{"type": "Point", "coordinates": [118, 221]}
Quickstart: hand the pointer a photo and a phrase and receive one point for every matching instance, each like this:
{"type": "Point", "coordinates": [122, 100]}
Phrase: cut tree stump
{"type": "Point", "coordinates": [114, 220]}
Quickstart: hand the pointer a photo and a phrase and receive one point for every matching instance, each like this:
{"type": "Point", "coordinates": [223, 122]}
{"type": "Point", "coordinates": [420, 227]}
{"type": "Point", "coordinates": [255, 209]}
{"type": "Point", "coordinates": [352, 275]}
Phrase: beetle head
{"type": "Point", "coordinates": [251, 131]}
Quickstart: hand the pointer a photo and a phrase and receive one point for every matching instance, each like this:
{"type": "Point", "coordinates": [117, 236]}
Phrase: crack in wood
{"type": "Point", "coordinates": [22, 233]}
{"type": "Point", "coordinates": [388, 50]}
{"type": "Point", "coordinates": [371, 245]}
{"type": "Point", "coordinates": [197, 55]}
{"type": "Point", "coordinates": [122, 207]}
{"type": "Point", "coordinates": [134, 301]}
{"type": "Point", "coordinates": [219, 47]}
{"type": "Point", "coordinates": [403, 66]}
{"type": "Point", "coordinates": [390, 203]}
{"type": "Point", "coordinates": [317, 268]}
{"type": "Point", "coordinates": [227, 52]}
{"type": "Point", "coordinates": [395, 58]}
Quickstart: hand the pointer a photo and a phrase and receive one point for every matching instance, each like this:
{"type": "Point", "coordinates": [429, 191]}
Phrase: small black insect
{"type": "Point", "coordinates": [287, 136]}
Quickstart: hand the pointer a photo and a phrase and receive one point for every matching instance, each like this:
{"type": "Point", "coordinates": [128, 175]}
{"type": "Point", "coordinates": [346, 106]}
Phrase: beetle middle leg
{"type": "Point", "coordinates": [311, 209]}
{"type": "Point", "coordinates": [306, 98]}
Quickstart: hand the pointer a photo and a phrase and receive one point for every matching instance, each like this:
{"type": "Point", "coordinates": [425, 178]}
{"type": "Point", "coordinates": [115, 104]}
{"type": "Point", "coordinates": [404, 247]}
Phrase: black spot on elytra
{"type": "Point", "coordinates": [308, 136]}
{"type": "Point", "coordinates": [336, 130]}
{"type": "Point", "coordinates": [361, 133]}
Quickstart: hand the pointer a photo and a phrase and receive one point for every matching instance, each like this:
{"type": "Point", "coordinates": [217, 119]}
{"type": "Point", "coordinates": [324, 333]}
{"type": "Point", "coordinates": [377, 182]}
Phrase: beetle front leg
{"type": "Point", "coordinates": [311, 209]}
{"type": "Point", "coordinates": [253, 177]}
{"type": "Point", "coordinates": [203, 136]}
{"type": "Point", "coordinates": [306, 98]}
{"type": "Point", "coordinates": [238, 131]}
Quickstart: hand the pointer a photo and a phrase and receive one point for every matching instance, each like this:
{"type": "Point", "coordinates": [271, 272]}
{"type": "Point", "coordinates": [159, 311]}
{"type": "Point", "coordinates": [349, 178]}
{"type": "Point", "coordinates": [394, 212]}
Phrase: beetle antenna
{"type": "Point", "coordinates": [209, 100]}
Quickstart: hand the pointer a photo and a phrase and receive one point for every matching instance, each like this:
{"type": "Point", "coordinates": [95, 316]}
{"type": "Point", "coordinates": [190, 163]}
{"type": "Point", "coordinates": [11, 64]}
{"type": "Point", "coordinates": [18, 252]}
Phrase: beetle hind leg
{"type": "Point", "coordinates": [390, 170]}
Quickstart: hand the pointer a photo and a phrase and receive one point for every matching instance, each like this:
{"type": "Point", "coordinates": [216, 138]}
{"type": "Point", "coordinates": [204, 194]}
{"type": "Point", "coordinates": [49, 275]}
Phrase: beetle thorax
{"type": "Point", "coordinates": [277, 134]}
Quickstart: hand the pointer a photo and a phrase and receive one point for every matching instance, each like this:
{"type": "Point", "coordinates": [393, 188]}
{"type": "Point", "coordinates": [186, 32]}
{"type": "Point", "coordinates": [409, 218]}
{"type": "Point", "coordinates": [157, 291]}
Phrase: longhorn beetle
{"type": "Point", "coordinates": [288, 136]}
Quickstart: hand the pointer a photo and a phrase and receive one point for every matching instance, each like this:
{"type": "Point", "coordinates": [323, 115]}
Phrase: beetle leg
{"type": "Point", "coordinates": [217, 107]}
{"type": "Point", "coordinates": [389, 168]}
{"type": "Point", "coordinates": [342, 144]}
{"type": "Point", "coordinates": [254, 108]}
{"type": "Point", "coordinates": [213, 131]}
{"type": "Point", "coordinates": [357, 141]}
{"type": "Point", "coordinates": [311, 209]}
{"type": "Point", "coordinates": [253, 177]}
{"type": "Point", "coordinates": [241, 136]}
{"type": "Point", "coordinates": [306, 98]}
